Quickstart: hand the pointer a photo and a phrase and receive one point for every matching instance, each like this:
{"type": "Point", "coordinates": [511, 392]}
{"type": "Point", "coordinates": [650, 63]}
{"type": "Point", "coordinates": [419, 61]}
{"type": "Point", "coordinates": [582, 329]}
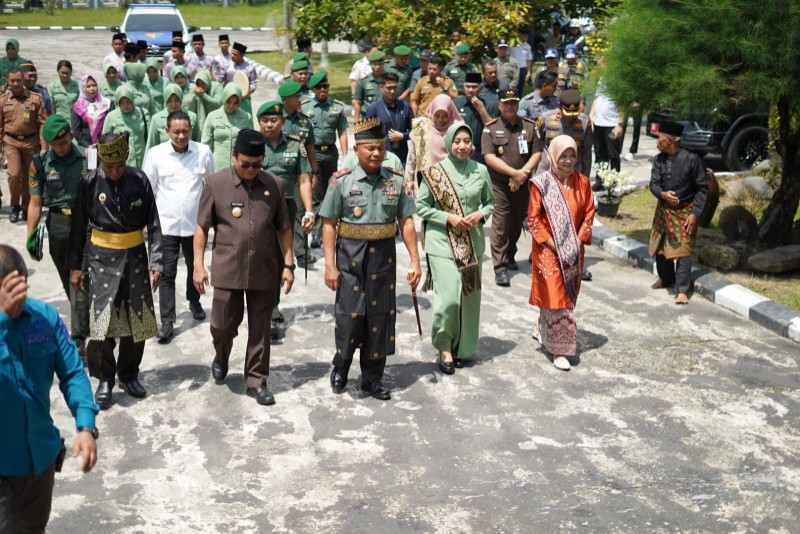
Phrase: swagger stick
{"type": "Point", "coordinates": [305, 247]}
{"type": "Point", "coordinates": [409, 275]}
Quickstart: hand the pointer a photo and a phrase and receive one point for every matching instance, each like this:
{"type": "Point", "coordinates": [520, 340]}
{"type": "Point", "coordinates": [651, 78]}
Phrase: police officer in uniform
{"type": "Point", "coordinates": [404, 71]}
{"type": "Point", "coordinates": [330, 123]}
{"type": "Point", "coordinates": [476, 111]}
{"type": "Point", "coordinates": [458, 69]}
{"type": "Point", "coordinates": [300, 124]}
{"type": "Point", "coordinates": [542, 98]}
{"type": "Point", "coordinates": [247, 209]}
{"type": "Point", "coordinates": [54, 184]}
{"type": "Point", "coordinates": [566, 120]}
{"type": "Point", "coordinates": [286, 158]}
{"type": "Point", "coordinates": [367, 90]}
{"type": "Point", "coordinates": [22, 116]}
{"type": "Point", "coordinates": [507, 145]}
{"type": "Point", "coordinates": [360, 210]}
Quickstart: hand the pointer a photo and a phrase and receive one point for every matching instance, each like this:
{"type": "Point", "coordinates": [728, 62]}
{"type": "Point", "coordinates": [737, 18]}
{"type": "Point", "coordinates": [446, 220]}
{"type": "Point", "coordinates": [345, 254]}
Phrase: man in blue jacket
{"type": "Point", "coordinates": [34, 345]}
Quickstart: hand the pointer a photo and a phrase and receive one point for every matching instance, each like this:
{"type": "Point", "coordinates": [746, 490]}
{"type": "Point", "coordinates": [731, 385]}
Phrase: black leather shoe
{"type": "Point", "coordinates": [219, 371]}
{"type": "Point", "coordinates": [338, 380]}
{"type": "Point", "coordinates": [262, 395]}
{"type": "Point", "coordinates": [165, 333]}
{"type": "Point", "coordinates": [586, 276]}
{"type": "Point", "coordinates": [102, 396]}
{"type": "Point", "coordinates": [14, 215]}
{"type": "Point", "coordinates": [375, 389]}
{"type": "Point", "coordinates": [80, 344]}
{"type": "Point", "coordinates": [316, 242]}
{"type": "Point", "coordinates": [447, 368]}
{"type": "Point", "coordinates": [512, 265]}
{"type": "Point", "coordinates": [277, 316]}
{"type": "Point", "coordinates": [24, 215]}
{"type": "Point", "coordinates": [458, 363]}
{"type": "Point", "coordinates": [133, 388]}
{"type": "Point", "coordinates": [502, 279]}
{"type": "Point", "coordinates": [274, 330]}
{"type": "Point", "coordinates": [198, 313]}
{"type": "Point", "coordinates": [301, 261]}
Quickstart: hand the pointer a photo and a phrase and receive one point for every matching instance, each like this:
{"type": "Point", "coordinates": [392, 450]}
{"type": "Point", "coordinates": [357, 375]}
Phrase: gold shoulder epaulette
{"type": "Point", "coordinates": [293, 137]}
{"type": "Point", "coordinates": [491, 122]}
{"type": "Point", "coordinates": [528, 119]}
{"type": "Point", "coordinates": [342, 172]}
{"type": "Point", "coordinates": [393, 170]}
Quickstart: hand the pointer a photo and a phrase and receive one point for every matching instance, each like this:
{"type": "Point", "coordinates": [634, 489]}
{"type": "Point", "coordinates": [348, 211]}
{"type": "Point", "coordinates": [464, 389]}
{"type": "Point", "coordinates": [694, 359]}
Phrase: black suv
{"type": "Point", "coordinates": [740, 137]}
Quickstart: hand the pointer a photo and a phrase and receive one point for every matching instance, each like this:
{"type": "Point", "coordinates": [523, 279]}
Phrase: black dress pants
{"type": "Point", "coordinates": [25, 502]}
{"type": "Point", "coordinates": [172, 245]}
{"type": "Point", "coordinates": [680, 276]}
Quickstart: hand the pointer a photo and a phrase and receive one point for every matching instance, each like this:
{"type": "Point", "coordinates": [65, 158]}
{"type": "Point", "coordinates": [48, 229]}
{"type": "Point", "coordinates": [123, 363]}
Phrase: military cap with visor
{"type": "Point", "coordinates": [570, 102]}
{"type": "Point", "coordinates": [508, 95]}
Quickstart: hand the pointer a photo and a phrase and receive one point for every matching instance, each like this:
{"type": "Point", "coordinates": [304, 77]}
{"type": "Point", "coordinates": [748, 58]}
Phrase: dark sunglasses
{"type": "Point", "coordinates": [247, 165]}
{"type": "Point", "coordinates": [323, 86]}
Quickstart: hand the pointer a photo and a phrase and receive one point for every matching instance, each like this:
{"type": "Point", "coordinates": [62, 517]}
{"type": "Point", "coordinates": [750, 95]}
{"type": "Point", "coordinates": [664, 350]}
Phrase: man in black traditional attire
{"type": "Point", "coordinates": [116, 202]}
{"type": "Point", "coordinates": [679, 182]}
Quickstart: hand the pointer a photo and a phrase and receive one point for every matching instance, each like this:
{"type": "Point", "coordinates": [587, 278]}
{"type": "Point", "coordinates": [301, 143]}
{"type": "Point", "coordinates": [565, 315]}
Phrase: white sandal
{"type": "Point", "coordinates": [561, 362]}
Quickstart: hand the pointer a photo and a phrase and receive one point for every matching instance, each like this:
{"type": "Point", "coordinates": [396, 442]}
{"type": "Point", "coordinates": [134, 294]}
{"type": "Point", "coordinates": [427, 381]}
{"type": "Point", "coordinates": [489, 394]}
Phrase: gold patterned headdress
{"type": "Point", "coordinates": [116, 151]}
{"type": "Point", "coordinates": [369, 131]}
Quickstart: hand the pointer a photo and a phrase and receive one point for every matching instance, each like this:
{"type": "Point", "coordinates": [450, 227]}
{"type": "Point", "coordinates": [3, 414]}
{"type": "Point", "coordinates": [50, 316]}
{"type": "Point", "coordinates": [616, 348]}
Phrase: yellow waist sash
{"type": "Point", "coordinates": [117, 241]}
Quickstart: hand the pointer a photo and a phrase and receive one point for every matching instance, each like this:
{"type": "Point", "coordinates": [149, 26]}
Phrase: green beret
{"type": "Point", "coordinates": [270, 108]}
{"type": "Point", "coordinates": [376, 56]}
{"type": "Point", "coordinates": [55, 127]}
{"type": "Point", "coordinates": [299, 65]}
{"type": "Point", "coordinates": [402, 50]}
{"type": "Point", "coordinates": [462, 49]}
{"type": "Point", "coordinates": [289, 89]}
{"type": "Point", "coordinates": [300, 57]}
{"type": "Point", "coordinates": [318, 78]}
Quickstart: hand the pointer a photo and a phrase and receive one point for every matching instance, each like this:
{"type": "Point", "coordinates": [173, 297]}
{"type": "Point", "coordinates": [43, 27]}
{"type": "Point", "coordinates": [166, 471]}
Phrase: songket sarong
{"type": "Point", "coordinates": [668, 236]}
{"type": "Point", "coordinates": [559, 331]}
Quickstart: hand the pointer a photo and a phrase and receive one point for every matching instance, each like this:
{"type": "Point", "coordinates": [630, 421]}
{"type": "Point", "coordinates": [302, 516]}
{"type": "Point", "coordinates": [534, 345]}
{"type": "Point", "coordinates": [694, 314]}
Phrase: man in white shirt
{"type": "Point", "coordinates": [177, 170]}
{"type": "Point", "coordinates": [361, 67]}
{"type": "Point", "coordinates": [116, 58]}
{"type": "Point", "coordinates": [524, 56]}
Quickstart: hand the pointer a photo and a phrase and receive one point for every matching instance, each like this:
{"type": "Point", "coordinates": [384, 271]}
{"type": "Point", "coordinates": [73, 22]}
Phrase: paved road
{"type": "Point", "coordinates": [676, 419]}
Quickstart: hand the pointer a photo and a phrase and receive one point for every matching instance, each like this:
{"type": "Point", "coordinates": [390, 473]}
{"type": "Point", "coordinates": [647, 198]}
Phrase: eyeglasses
{"type": "Point", "coordinates": [249, 165]}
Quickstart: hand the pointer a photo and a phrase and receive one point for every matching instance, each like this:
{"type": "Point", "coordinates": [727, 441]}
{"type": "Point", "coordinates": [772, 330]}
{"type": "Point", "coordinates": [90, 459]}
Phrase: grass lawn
{"type": "Point", "coordinates": [636, 216]}
{"type": "Point", "coordinates": [194, 15]}
{"type": "Point", "coordinates": [338, 70]}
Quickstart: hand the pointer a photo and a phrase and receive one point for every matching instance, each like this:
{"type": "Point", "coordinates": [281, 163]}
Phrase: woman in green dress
{"type": "Point", "coordinates": [204, 97]}
{"type": "Point", "coordinates": [156, 130]}
{"type": "Point", "coordinates": [128, 118]}
{"type": "Point", "coordinates": [156, 82]}
{"type": "Point", "coordinates": [142, 97]}
{"type": "Point", "coordinates": [223, 124]}
{"type": "Point", "coordinates": [181, 78]}
{"type": "Point", "coordinates": [455, 198]}
{"type": "Point", "coordinates": [65, 91]}
{"type": "Point", "coordinates": [109, 86]}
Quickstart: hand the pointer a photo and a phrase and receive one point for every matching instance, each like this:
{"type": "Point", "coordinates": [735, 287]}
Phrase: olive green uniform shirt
{"type": "Point", "coordinates": [328, 118]}
{"type": "Point", "coordinates": [63, 99]}
{"type": "Point", "coordinates": [367, 91]}
{"type": "Point", "coordinates": [355, 197]}
{"type": "Point", "coordinates": [403, 73]}
{"type": "Point", "coordinates": [299, 123]}
{"type": "Point", "coordinates": [287, 159]}
{"type": "Point", "coordinates": [458, 73]}
{"type": "Point", "coordinates": [57, 182]}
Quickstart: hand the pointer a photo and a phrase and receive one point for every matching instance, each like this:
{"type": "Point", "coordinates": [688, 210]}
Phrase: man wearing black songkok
{"type": "Point", "coordinates": [246, 207]}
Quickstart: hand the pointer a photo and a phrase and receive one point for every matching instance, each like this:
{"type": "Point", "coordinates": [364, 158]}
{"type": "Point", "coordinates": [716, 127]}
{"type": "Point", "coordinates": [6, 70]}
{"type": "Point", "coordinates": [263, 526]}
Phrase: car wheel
{"type": "Point", "coordinates": [749, 145]}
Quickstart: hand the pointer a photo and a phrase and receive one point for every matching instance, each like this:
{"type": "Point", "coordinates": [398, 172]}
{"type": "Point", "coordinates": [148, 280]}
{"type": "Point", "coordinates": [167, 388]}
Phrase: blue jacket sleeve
{"type": "Point", "coordinates": [73, 381]}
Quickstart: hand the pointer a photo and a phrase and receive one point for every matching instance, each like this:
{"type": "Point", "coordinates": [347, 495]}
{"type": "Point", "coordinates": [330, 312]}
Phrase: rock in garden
{"type": "Point", "coordinates": [777, 260]}
{"type": "Point", "coordinates": [758, 186]}
{"type": "Point", "coordinates": [738, 224]}
{"type": "Point", "coordinates": [762, 167]}
{"type": "Point", "coordinates": [720, 257]}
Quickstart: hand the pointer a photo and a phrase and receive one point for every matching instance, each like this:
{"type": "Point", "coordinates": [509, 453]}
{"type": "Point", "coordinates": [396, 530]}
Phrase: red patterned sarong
{"type": "Point", "coordinates": [668, 237]}
{"type": "Point", "coordinates": [559, 331]}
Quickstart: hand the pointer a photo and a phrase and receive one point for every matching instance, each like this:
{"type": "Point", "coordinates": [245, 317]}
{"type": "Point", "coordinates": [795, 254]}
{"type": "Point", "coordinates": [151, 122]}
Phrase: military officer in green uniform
{"type": "Point", "coordinates": [286, 158]}
{"type": "Point", "coordinates": [368, 89]}
{"type": "Point", "coordinates": [299, 123]}
{"type": "Point", "coordinates": [457, 69]}
{"type": "Point", "coordinates": [361, 210]}
{"type": "Point", "coordinates": [330, 124]}
{"type": "Point", "coordinates": [299, 74]}
{"type": "Point", "coordinates": [404, 71]}
{"type": "Point", "coordinates": [54, 183]}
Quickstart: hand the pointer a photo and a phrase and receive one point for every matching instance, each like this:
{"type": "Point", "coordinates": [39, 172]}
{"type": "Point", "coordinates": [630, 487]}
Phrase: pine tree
{"type": "Point", "coordinates": [704, 54]}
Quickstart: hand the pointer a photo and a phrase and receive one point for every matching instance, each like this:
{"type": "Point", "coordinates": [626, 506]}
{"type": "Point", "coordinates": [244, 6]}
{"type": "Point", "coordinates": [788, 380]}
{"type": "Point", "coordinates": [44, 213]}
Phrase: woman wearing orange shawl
{"type": "Point", "coordinates": [426, 143]}
{"type": "Point", "coordinates": [560, 217]}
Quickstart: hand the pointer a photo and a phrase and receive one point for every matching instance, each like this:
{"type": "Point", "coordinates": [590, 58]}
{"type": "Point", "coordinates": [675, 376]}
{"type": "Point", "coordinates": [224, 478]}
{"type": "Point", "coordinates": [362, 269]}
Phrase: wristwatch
{"type": "Point", "coordinates": [290, 266]}
{"type": "Point", "coordinates": [90, 429]}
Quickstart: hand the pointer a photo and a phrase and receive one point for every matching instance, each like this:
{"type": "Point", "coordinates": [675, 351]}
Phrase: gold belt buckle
{"type": "Point", "coordinates": [66, 211]}
{"type": "Point", "coordinates": [323, 148]}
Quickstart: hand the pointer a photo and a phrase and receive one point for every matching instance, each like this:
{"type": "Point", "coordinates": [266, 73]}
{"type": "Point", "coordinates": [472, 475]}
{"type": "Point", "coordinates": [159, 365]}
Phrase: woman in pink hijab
{"type": "Point", "coordinates": [90, 112]}
{"type": "Point", "coordinates": [426, 143]}
{"type": "Point", "coordinates": [560, 218]}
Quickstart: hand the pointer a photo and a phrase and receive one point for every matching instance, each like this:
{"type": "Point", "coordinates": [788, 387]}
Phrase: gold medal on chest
{"type": "Point", "coordinates": [500, 151]}
{"type": "Point", "coordinates": [236, 212]}
{"type": "Point", "coordinates": [357, 211]}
